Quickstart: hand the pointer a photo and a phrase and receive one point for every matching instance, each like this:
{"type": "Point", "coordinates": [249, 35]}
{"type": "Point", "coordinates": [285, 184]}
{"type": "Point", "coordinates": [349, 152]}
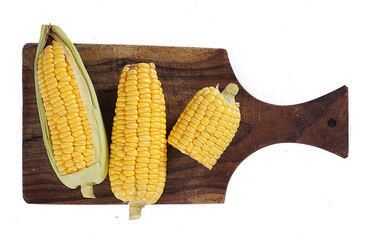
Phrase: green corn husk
{"type": "Point", "coordinates": [96, 173]}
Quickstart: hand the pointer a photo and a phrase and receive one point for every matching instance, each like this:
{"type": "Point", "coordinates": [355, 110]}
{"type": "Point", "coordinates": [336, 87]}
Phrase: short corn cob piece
{"type": "Point", "coordinates": [207, 125]}
{"type": "Point", "coordinates": [73, 132]}
{"type": "Point", "coordinates": [137, 167]}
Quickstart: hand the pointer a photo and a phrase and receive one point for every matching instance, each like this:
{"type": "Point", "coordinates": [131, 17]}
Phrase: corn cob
{"type": "Point", "coordinates": [138, 158]}
{"type": "Point", "coordinates": [207, 125]}
{"type": "Point", "coordinates": [72, 125]}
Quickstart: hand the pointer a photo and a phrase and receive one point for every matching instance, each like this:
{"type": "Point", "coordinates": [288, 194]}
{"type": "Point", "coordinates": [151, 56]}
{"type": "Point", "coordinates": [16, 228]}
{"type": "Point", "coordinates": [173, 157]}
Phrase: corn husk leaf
{"type": "Point", "coordinates": [96, 173]}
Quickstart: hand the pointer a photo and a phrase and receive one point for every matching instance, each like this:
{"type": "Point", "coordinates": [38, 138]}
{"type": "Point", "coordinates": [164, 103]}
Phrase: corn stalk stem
{"type": "Point", "coordinates": [135, 210]}
{"type": "Point", "coordinates": [87, 190]}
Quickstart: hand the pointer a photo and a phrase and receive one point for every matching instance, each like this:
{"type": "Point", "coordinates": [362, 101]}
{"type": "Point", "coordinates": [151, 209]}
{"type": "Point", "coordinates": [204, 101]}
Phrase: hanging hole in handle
{"type": "Point", "coordinates": [331, 123]}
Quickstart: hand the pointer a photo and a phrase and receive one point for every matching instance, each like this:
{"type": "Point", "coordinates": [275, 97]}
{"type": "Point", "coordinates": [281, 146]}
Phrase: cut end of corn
{"type": "Point", "coordinates": [207, 125]}
{"type": "Point", "coordinates": [138, 158]}
{"type": "Point", "coordinates": [69, 128]}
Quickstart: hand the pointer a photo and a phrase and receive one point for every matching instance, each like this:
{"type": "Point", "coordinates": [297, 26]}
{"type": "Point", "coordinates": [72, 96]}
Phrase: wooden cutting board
{"type": "Point", "coordinates": [322, 122]}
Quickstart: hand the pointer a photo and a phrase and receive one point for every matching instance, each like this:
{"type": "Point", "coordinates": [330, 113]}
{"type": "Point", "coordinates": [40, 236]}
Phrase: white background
{"type": "Point", "coordinates": [283, 52]}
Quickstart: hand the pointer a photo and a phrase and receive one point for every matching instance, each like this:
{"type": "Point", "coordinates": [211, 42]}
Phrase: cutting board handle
{"type": "Point", "coordinates": [322, 122]}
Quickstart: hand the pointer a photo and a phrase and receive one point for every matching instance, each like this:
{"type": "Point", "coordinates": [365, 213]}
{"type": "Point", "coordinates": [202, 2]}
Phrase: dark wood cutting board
{"type": "Point", "coordinates": [322, 122]}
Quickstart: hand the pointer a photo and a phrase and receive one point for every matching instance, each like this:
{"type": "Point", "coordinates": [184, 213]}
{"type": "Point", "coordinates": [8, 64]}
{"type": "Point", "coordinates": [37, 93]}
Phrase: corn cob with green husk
{"type": "Point", "coordinates": [70, 117]}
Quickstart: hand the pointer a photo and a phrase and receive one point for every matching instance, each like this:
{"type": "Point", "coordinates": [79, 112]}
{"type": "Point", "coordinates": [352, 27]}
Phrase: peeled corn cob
{"type": "Point", "coordinates": [137, 167]}
{"type": "Point", "coordinates": [207, 125]}
{"type": "Point", "coordinates": [70, 117]}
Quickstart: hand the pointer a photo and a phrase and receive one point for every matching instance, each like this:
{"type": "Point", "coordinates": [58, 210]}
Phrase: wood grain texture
{"type": "Point", "coordinates": [322, 122]}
